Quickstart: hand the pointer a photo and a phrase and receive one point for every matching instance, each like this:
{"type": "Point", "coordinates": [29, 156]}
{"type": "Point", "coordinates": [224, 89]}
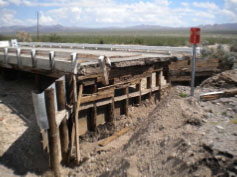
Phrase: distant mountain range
{"type": "Point", "coordinates": [60, 28]}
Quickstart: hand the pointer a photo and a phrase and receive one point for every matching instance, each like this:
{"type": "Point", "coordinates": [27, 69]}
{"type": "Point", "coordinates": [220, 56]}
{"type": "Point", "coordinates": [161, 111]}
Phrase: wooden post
{"type": "Point", "coordinates": [139, 98]}
{"type": "Point", "coordinates": [53, 132]}
{"type": "Point", "coordinates": [126, 101]}
{"type": "Point", "coordinates": [76, 109]}
{"type": "Point", "coordinates": [158, 84]}
{"type": "Point", "coordinates": [166, 74]}
{"type": "Point", "coordinates": [63, 127]}
{"type": "Point", "coordinates": [149, 85]}
{"type": "Point", "coordinates": [93, 118]}
{"type": "Point", "coordinates": [111, 111]}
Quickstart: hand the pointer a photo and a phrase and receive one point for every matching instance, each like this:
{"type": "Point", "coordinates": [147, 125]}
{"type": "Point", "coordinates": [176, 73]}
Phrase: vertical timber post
{"type": "Point", "coordinates": [93, 118]}
{"type": "Point", "coordinates": [149, 84]}
{"type": "Point", "coordinates": [158, 84]}
{"type": "Point", "coordinates": [76, 109]}
{"type": "Point", "coordinates": [126, 101]}
{"type": "Point", "coordinates": [111, 111]}
{"type": "Point", "coordinates": [53, 132]}
{"type": "Point", "coordinates": [138, 89]}
{"type": "Point", "coordinates": [63, 127]}
{"type": "Point", "coordinates": [166, 74]}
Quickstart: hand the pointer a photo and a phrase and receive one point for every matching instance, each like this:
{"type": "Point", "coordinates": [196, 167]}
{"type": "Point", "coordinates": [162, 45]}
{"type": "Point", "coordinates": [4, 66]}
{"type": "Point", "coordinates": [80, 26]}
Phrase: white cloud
{"type": "Point", "coordinates": [122, 13]}
{"type": "Point", "coordinates": [3, 3]}
{"type": "Point", "coordinates": [46, 20]}
{"type": "Point", "coordinates": [184, 4]}
{"type": "Point", "coordinates": [16, 2]}
{"type": "Point", "coordinates": [231, 9]}
{"type": "Point", "coordinates": [206, 5]}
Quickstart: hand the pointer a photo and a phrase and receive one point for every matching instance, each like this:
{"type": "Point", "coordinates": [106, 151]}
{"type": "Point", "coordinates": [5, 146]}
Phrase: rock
{"type": "Point", "coordinates": [139, 118]}
{"type": "Point", "coordinates": [207, 115]}
{"type": "Point", "coordinates": [219, 127]}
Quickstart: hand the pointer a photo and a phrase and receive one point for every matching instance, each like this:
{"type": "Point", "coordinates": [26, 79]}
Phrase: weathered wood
{"type": "Point", "coordinates": [158, 84]}
{"type": "Point", "coordinates": [149, 85]}
{"type": "Point", "coordinates": [138, 89]}
{"type": "Point", "coordinates": [53, 132]}
{"type": "Point", "coordinates": [76, 121]}
{"type": "Point", "coordinates": [216, 95]}
{"type": "Point", "coordinates": [102, 64]}
{"type": "Point", "coordinates": [63, 127]}
{"type": "Point", "coordinates": [114, 136]}
{"type": "Point", "coordinates": [98, 96]}
{"type": "Point", "coordinates": [111, 111]}
{"type": "Point", "coordinates": [126, 101]}
{"type": "Point", "coordinates": [93, 118]}
{"type": "Point", "coordinates": [166, 74]}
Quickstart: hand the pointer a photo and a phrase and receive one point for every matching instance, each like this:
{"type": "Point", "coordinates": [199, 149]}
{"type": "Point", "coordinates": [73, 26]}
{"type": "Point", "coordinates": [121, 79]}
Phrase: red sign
{"type": "Point", "coordinates": [195, 36]}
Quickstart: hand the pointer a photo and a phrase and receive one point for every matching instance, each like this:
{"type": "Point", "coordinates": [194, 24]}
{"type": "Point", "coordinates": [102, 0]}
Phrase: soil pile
{"type": "Point", "coordinates": [227, 79]}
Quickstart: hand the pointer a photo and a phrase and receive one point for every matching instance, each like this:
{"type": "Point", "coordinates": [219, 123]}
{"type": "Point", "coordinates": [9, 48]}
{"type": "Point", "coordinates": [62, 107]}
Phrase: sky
{"type": "Point", "coordinates": [119, 13]}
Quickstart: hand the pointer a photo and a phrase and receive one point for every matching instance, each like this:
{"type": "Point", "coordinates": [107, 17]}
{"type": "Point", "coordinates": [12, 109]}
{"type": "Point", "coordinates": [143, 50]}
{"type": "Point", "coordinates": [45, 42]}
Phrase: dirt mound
{"type": "Point", "coordinates": [227, 79]}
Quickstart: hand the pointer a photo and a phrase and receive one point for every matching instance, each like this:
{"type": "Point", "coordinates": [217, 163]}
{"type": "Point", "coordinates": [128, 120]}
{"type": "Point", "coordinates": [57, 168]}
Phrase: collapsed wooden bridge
{"type": "Point", "coordinates": [91, 87]}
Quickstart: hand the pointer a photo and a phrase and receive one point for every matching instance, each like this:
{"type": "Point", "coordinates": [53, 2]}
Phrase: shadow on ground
{"type": "Point", "coordinates": [25, 155]}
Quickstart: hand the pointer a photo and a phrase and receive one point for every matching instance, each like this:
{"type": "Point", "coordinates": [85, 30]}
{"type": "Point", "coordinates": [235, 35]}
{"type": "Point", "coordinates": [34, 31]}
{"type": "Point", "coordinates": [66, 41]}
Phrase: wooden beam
{"type": "Point", "coordinates": [126, 104]}
{"type": "Point", "coordinates": [53, 132]}
{"type": "Point", "coordinates": [98, 96]}
{"type": "Point", "coordinates": [93, 117]}
{"type": "Point", "coordinates": [149, 85]}
{"type": "Point", "coordinates": [111, 111]}
{"type": "Point", "coordinates": [138, 89]}
{"type": "Point", "coordinates": [63, 127]}
{"type": "Point", "coordinates": [114, 136]}
{"type": "Point", "coordinates": [158, 84]}
{"type": "Point", "coordinates": [216, 95]}
{"type": "Point", "coordinates": [76, 121]}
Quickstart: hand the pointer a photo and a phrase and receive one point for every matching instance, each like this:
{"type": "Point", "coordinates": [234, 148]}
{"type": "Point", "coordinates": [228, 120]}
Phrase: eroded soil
{"type": "Point", "coordinates": [179, 136]}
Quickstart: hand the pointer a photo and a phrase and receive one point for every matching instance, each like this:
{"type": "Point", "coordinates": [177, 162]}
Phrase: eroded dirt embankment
{"type": "Point", "coordinates": [179, 136]}
{"type": "Point", "coordinates": [173, 140]}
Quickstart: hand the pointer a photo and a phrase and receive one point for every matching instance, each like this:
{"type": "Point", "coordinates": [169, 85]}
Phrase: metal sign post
{"type": "Point", "coordinates": [193, 70]}
{"type": "Point", "coordinates": [194, 39]}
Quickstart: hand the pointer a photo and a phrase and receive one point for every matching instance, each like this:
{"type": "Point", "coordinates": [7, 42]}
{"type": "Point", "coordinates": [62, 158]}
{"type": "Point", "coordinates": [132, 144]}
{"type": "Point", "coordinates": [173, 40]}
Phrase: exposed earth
{"type": "Point", "coordinates": [178, 136]}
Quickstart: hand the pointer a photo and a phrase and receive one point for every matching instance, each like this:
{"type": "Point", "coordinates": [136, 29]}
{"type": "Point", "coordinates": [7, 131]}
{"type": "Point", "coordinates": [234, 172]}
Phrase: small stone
{"type": "Point", "coordinates": [219, 127]}
{"type": "Point", "coordinates": [107, 169]}
{"type": "Point", "coordinates": [139, 118]}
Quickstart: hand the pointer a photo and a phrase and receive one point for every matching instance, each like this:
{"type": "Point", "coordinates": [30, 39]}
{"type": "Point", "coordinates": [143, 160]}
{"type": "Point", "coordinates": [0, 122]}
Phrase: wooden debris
{"type": "Point", "coordinates": [216, 95]}
{"type": "Point", "coordinates": [114, 136]}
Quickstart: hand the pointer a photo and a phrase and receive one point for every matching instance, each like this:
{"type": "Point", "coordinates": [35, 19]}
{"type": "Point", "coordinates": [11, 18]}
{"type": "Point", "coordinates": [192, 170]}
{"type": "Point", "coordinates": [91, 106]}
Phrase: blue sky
{"type": "Point", "coordinates": [102, 13]}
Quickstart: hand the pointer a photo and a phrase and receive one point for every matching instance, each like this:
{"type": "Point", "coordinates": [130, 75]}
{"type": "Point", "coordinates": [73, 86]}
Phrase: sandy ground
{"type": "Point", "coordinates": [179, 136]}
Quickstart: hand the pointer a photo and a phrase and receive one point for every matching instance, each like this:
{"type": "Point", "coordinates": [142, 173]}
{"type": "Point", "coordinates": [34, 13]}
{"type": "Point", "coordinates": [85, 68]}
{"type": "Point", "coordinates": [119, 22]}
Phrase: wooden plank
{"type": "Point", "coordinates": [114, 136]}
{"type": "Point", "coordinates": [111, 111]}
{"type": "Point", "coordinates": [98, 96]}
{"type": "Point", "coordinates": [53, 132]}
{"type": "Point", "coordinates": [126, 101]}
{"type": "Point", "coordinates": [93, 117]}
{"type": "Point", "coordinates": [138, 89]}
{"type": "Point", "coordinates": [149, 85]}
{"type": "Point", "coordinates": [216, 95]}
{"type": "Point", "coordinates": [64, 136]}
{"type": "Point", "coordinates": [76, 122]}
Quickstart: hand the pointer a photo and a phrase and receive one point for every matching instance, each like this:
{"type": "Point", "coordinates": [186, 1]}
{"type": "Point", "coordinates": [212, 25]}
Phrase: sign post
{"type": "Point", "coordinates": [194, 39]}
